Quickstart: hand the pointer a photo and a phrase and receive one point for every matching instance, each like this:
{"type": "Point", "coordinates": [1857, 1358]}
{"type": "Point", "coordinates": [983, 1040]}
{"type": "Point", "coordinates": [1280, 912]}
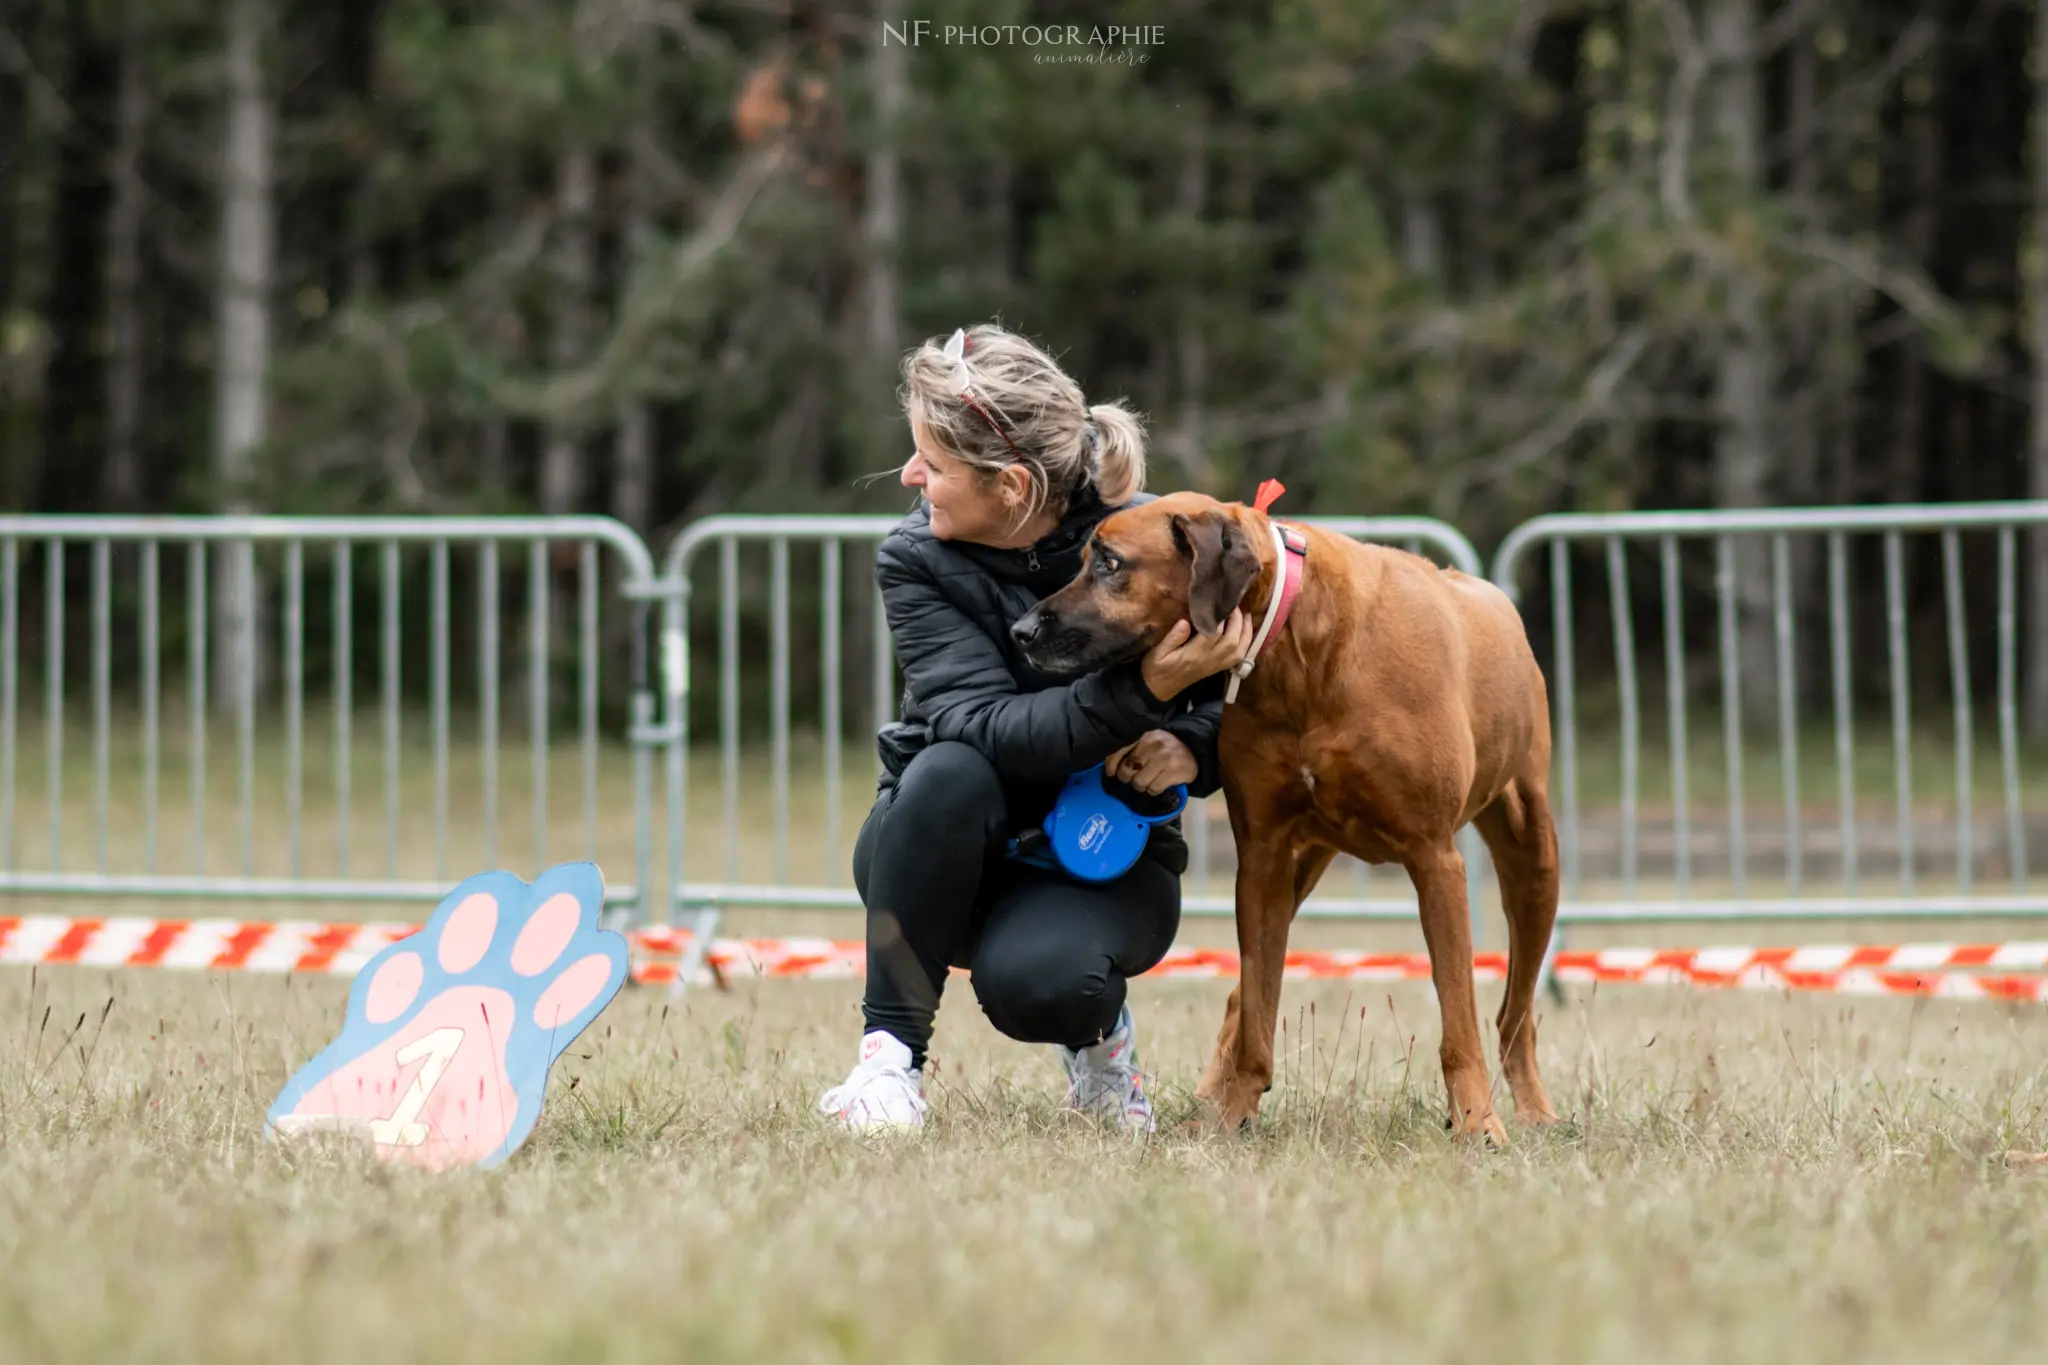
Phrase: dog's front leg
{"type": "Point", "coordinates": [1221, 1072]}
{"type": "Point", "coordinates": [1242, 1069]}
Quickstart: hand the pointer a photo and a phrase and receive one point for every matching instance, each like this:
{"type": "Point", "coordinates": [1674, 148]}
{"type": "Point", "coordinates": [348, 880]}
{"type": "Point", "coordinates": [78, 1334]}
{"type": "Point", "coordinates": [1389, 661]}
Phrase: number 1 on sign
{"type": "Point", "coordinates": [402, 1129]}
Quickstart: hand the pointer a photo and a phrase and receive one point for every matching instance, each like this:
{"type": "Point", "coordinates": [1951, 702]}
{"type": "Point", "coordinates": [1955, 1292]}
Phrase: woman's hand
{"type": "Point", "coordinates": [1184, 658]}
{"type": "Point", "coordinates": [1152, 763]}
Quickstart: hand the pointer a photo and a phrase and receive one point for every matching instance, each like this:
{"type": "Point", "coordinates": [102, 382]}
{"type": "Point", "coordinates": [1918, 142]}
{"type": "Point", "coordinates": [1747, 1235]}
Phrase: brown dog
{"type": "Point", "coordinates": [1398, 703]}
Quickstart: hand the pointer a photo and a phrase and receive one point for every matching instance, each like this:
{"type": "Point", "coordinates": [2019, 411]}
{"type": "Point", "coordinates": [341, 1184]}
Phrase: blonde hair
{"type": "Point", "coordinates": [1020, 407]}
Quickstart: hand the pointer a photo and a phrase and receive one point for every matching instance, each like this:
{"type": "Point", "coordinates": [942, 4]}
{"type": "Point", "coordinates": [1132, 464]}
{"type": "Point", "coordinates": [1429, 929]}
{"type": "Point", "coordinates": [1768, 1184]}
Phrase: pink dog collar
{"type": "Point", "coordinates": [1291, 546]}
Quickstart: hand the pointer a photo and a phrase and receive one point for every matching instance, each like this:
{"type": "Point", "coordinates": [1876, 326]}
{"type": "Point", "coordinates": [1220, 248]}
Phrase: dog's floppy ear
{"type": "Point", "coordinates": [1222, 565]}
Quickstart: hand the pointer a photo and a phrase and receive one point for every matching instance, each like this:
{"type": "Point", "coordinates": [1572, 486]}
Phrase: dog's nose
{"type": "Point", "coordinates": [1030, 626]}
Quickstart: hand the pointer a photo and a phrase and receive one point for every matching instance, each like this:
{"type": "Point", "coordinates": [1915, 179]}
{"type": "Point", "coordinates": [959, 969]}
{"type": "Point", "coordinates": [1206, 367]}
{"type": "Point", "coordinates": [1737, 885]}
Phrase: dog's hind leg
{"type": "Point", "coordinates": [1439, 876]}
{"type": "Point", "coordinates": [1523, 841]}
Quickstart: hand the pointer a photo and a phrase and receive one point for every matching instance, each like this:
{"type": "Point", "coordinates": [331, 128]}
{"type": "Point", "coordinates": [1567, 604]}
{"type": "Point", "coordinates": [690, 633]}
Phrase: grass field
{"type": "Point", "coordinates": [1742, 1178]}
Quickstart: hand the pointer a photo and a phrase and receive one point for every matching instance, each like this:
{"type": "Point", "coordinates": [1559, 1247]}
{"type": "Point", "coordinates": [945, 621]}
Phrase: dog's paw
{"type": "Point", "coordinates": [1484, 1128]}
{"type": "Point", "coordinates": [1230, 1113]}
{"type": "Point", "coordinates": [443, 1058]}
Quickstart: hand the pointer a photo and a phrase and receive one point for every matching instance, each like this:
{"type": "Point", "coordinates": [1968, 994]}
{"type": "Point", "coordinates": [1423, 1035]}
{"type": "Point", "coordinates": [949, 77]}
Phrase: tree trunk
{"type": "Point", "coordinates": [882, 240]}
{"type": "Point", "coordinates": [1485, 184]}
{"type": "Point", "coordinates": [247, 270]}
{"type": "Point", "coordinates": [1902, 472]}
{"type": "Point", "coordinates": [13, 157]}
{"type": "Point", "coordinates": [633, 445]}
{"type": "Point", "coordinates": [2037, 455]}
{"type": "Point", "coordinates": [494, 440]}
{"type": "Point", "coordinates": [1844, 485]}
{"type": "Point", "coordinates": [124, 489]}
{"type": "Point", "coordinates": [1422, 233]}
{"type": "Point", "coordinates": [1921, 152]}
{"type": "Point", "coordinates": [633, 475]}
{"type": "Point", "coordinates": [561, 473]}
{"type": "Point", "coordinates": [1807, 362]}
{"type": "Point", "coordinates": [1191, 347]}
{"type": "Point", "coordinates": [494, 455]}
{"type": "Point", "coordinates": [356, 56]}
{"type": "Point", "coordinates": [1742, 387]}
{"type": "Point", "coordinates": [74, 386]}
{"type": "Point", "coordinates": [16, 461]}
{"type": "Point", "coordinates": [1809, 400]}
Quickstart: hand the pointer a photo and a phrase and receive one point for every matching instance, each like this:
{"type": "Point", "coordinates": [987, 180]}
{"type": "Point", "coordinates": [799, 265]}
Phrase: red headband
{"type": "Point", "coordinates": [956, 351]}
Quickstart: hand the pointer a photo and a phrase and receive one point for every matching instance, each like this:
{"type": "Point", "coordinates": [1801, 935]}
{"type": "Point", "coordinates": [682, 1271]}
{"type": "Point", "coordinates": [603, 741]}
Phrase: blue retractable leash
{"type": "Point", "coordinates": [1091, 835]}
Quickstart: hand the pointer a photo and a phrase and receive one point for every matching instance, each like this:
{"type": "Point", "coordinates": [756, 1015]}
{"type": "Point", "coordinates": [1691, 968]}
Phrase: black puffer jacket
{"type": "Point", "coordinates": [950, 606]}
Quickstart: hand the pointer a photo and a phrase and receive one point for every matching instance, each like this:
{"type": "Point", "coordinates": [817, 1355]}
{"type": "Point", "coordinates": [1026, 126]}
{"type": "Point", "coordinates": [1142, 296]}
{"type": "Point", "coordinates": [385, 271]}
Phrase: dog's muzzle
{"type": "Point", "coordinates": [1030, 628]}
{"type": "Point", "coordinates": [1066, 645]}
{"type": "Point", "coordinates": [1048, 644]}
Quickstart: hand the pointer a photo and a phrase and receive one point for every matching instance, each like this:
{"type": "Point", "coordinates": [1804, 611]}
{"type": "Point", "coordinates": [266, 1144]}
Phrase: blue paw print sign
{"type": "Point", "coordinates": [443, 1057]}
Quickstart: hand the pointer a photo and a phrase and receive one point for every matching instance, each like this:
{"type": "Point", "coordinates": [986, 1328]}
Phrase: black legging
{"type": "Point", "coordinates": [1049, 955]}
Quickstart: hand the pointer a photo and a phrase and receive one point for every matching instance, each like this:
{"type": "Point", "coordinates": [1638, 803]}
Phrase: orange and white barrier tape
{"type": "Point", "coordinates": [228, 945]}
{"type": "Point", "coordinates": [1984, 971]}
{"type": "Point", "coordinates": [1941, 969]}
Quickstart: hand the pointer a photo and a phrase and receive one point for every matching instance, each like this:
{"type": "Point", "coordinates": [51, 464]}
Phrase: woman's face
{"type": "Point", "coordinates": [966, 504]}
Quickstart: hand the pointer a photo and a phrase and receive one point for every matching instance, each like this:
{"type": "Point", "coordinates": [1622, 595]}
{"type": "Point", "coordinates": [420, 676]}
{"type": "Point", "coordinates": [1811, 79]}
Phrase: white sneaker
{"type": "Point", "coordinates": [1104, 1079]}
{"type": "Point", "coordinates": [882, 1091]}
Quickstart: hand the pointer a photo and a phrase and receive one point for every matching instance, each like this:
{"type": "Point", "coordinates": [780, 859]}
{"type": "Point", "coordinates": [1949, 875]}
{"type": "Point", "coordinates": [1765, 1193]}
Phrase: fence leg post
{"type": "Point", "coordinates": [641, 912]}
{"type": "Point", "coordinates": [1546, 975]}
{"type": "Point", "coordinates": [703, 929]}
{"type": "Point", "coordinates": [640, 727]}
{"type": "Point", "coordinates": [1477, 867]}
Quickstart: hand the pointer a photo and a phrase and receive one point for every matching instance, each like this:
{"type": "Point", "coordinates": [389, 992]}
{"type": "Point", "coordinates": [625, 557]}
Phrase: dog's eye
{"type": "Point", "coordinates": [1107, 562]}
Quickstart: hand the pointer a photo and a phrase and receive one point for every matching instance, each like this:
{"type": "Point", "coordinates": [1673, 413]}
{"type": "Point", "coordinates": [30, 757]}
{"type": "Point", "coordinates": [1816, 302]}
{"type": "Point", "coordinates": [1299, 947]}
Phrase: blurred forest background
{"type": "Point", "coordinates": [1476, 259]}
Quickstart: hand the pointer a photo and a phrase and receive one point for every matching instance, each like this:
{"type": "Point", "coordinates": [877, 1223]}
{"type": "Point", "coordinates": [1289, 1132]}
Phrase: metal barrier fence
{"type": "Point", "coordinates": [1744, 571]}
{"type": "Point", "coordinates": [178, 609]}
{"type": "Point", "coordinates": [741, 845]}
{"type": "Point", "coordinates": [386, 805]}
